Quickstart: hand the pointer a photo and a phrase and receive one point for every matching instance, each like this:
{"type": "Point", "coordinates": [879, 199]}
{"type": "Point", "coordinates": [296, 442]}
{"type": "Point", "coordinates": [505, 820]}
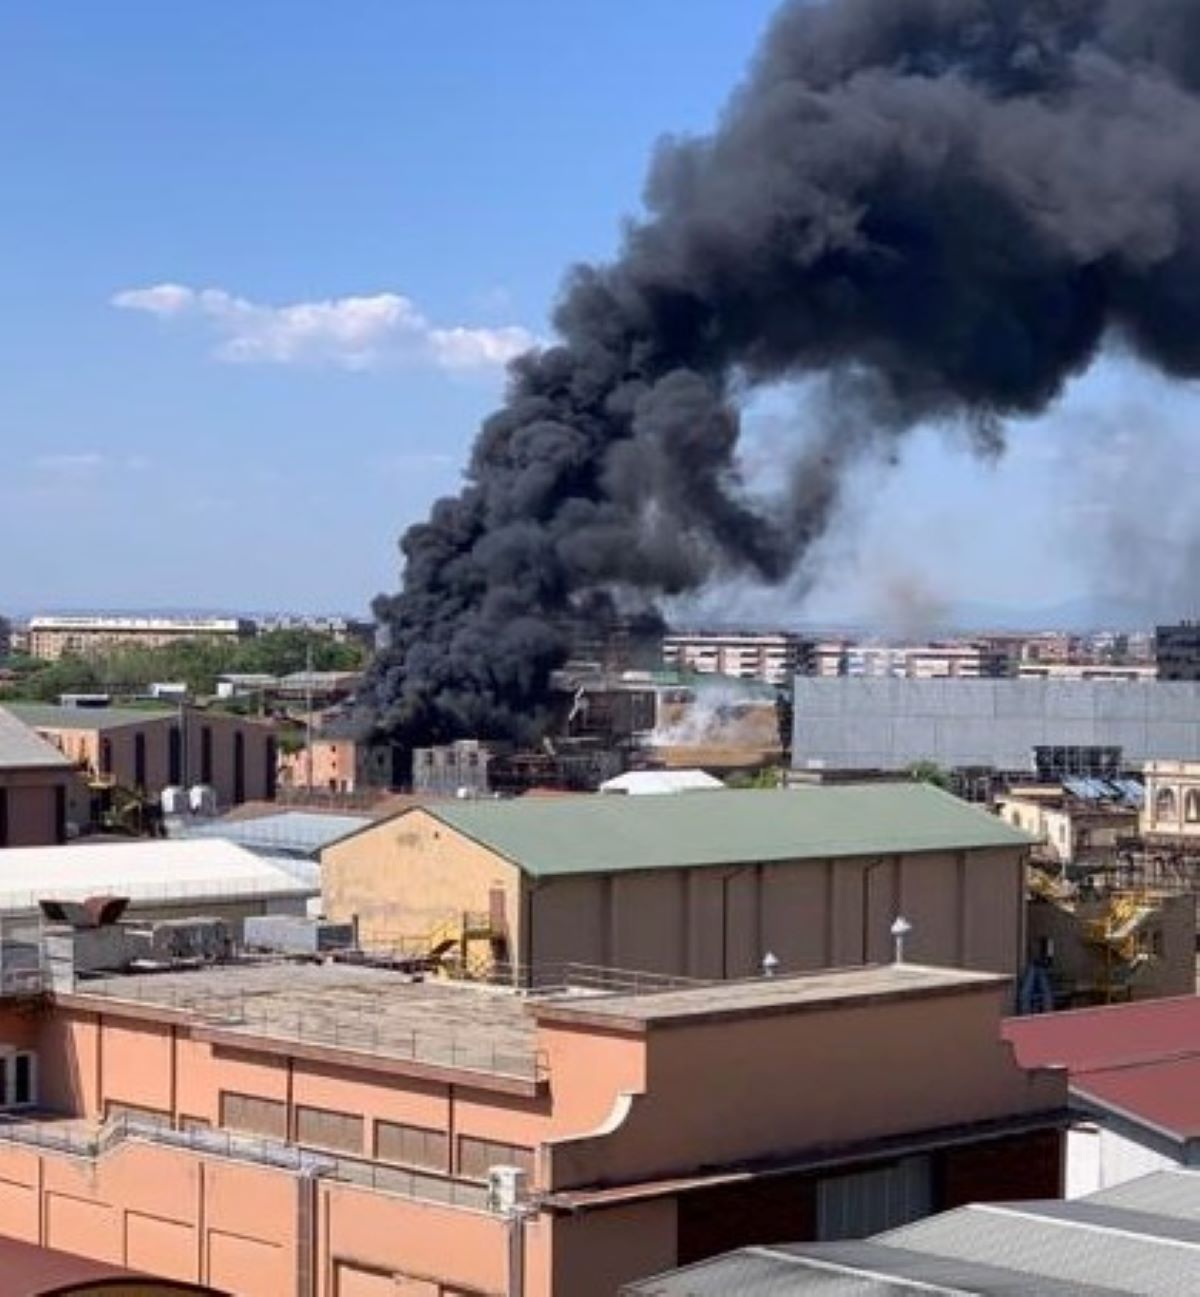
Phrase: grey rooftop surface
{"type": "Point", "coordinates": [763, 996]}
{"type": "Point", "coordinates": [344, 1007]}
{"type": "Point", "coordinates": [1142, 1237]}
{"type": "Point", "coordinates": [22, 749]}
{"type": "Point", "coordinates": [47, 716]}
{"type": "Point", "coordinates": [596, 834]}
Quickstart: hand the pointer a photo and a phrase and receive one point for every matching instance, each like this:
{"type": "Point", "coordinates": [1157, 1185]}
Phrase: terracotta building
{"type": "Point", "coordinates": [334, 1131]}
{"type": "Point", "coordinates": [35, 779]}
{"type": "Point", "coordinates": [138, 749]}
{"type": "Point", "coordinates": [701, 886]}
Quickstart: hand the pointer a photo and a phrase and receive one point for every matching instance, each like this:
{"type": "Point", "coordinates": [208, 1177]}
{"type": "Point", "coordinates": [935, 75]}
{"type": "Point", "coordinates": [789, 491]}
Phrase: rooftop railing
{"type": "Point", "coordinates": [73, 1139]}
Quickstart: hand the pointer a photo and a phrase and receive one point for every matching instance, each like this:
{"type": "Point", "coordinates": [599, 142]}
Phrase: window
{"type": "Point", "coordinates": [342, 1131]}
{"type": "Point", "coordinates": [254, 1115]}
{"type": "Point", "coordinates": [1191, 806]}
{"type": "Point", "coordinates": [18, 1079]}
{"type": "Point", "coordinates": [271, 772]}
{"type": "Point", "coordinates": [239, 768]}
{"type": "Point", "coordinates": [106, 760]}
{"type": "Point", "coordinates": [139, 761]}
{"type": "Point", "coordinates": [206, 764]}
{"type": "Point", "coordinates": [476, 1156]}
{"type": "Point", "coordinates": [416, 1146]}
{"type": "Point", "coordinates": [175, 756]}
{"type": "Point", "coordinates": [1165, 804]}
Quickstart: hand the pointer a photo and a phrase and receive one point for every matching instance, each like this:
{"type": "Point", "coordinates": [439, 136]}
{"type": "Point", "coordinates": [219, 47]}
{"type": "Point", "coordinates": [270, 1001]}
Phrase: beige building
{"type": "Point", "coordinates": [773, 657]}
{"type": "Point", "coordinates": [133, 749]}
{"type": "Point", "coordinates": [1172, 805]}
{"type": "Point", "coordinates": [35, 780]}
{"type": "Point", "coordinates": [1068, 831]}
{"type": "Point", "coordinates": [952, 659]}
{"type": "Point", "coordinates": [52, 637]}
{"type": "Point", "coordinates": [701, 886]}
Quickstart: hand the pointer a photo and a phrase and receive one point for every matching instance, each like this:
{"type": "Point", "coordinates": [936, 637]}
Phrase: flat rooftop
{"type": "Point", "coordinates": [762, 996]}
{"type": "Point", "coordinates": [367, 1010]}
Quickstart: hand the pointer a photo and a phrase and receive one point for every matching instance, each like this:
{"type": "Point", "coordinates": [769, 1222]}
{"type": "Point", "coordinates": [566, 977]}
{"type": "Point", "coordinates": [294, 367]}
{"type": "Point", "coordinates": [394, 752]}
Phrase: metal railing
{"type": "Point", "coordinates": [364, 1029]}
{"type": "Point", "coordinates": [69, 1137]}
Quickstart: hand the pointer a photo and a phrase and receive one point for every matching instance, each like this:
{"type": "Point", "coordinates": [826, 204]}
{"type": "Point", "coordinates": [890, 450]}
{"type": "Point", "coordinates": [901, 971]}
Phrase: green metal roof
{"type": "Point", "coordinates": [601, 834]}
{"type": "Point", "coordinates": [46, 716]}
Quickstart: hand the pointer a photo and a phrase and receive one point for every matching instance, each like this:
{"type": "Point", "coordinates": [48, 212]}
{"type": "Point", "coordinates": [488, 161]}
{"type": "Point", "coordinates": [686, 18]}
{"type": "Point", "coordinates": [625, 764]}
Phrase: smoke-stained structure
{"type": "Point", "coordinates": [941, 207]}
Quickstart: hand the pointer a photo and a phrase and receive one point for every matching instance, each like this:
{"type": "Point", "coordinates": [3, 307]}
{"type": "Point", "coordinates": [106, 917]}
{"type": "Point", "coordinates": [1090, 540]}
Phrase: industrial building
{"type": "Point", "coordinates": [1029, 727]}
{"type": "Point", "coordinates": [1139, 1238]}
{"type": "Point", "coordinates": [773, 657]}
{"type": "Point", "coordinates": [52, 637]}
{"type": "Point", "coordinates": [124, 753]}
{"type": "Point", "coordinates": [700, 886]}
{"type": "Point", "coordinates": [1134, 1075]}
{"type": "Point", "coordinates": [160, 879]}
{"type": "Point", "coordinates": [35, 779]}
{"type": "Point", "coordinates": [342, 1131]}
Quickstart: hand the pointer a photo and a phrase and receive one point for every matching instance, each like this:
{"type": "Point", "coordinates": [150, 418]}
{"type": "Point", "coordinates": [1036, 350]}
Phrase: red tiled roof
{"type": "Point", "coordinates": [1142, 1060]}
{"type": "Point", "coordinates": [1166, 1094]}
{"type": "Point", "coordinates": [1085, 1039]}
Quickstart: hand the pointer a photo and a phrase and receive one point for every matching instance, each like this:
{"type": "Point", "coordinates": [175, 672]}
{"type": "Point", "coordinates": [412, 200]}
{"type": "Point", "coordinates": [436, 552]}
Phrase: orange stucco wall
{"type": "Point", "coordinates": [810, 1081]}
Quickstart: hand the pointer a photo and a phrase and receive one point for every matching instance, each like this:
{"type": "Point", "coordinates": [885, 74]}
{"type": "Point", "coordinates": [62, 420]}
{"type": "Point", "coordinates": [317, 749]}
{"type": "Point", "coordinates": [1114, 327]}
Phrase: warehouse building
{"type": "Point", "coordinates": [161, 879]}
{"type": "Point", "coordinates": [1049, 728]}
{"type": "Point", "coordinates": [1139, 1238]}
{"type": "Point", "coordinates": [147, 750]}
{"type": "Point", "coordinates": [335, 1130]}
{"type": "Point", "coordinates": [35, 780]}
{"type": "Point", "coordinates": [706, 885]}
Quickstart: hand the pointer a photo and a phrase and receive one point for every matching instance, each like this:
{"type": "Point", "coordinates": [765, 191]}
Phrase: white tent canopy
{"type": "Point", "coordinates": [641, 782]}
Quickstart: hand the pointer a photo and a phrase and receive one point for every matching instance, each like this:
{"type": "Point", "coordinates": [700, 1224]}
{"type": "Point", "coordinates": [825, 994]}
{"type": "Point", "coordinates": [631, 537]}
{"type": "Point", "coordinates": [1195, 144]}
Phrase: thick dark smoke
{"type": "Point", "coordinates": [944, 207]}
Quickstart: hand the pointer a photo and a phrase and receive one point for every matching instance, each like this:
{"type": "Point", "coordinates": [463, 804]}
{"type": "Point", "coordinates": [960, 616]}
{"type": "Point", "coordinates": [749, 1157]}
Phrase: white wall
{"type": "Point", "coordinates": [1099, 1158]}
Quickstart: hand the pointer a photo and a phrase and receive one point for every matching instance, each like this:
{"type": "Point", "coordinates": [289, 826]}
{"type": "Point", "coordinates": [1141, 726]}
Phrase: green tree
{"type": "Point", "coordinates": [928, 772]}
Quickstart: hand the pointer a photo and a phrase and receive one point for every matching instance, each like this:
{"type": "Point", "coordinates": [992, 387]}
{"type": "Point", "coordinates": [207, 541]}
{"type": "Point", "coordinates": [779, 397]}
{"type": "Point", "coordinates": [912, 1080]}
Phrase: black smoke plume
{"type": "Point", "coordinates": [943, 207]}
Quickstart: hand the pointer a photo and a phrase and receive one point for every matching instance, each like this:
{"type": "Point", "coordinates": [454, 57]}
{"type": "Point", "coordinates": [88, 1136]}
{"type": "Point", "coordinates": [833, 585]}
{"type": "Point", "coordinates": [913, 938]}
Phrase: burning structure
{"type": "Point", "coordinates": [937, 210]}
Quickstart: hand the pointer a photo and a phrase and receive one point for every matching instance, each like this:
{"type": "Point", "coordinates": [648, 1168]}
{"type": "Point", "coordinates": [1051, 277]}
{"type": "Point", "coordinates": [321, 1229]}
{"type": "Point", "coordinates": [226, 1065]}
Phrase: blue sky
{"type": "Point", "coordinates": [348, 215]}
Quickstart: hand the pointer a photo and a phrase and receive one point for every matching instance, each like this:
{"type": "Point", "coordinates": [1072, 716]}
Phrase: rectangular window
{"type": "Point", "coordinates": [416, 1146]}
{"type": "Point", "coordinates": [206, 755]}
{"type": "Point", "coordinates": [476, 1156]}
{"type": "Point", "coordinates": [253, 1115]}
{"type": "Point", "coordinates": [321, 1128]}
{"type": "Point", "coordinates": [23, 1079]}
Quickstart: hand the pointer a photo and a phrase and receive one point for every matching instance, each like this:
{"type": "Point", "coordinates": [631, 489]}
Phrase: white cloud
{"type": "Point", "coordinates": [352, 332]}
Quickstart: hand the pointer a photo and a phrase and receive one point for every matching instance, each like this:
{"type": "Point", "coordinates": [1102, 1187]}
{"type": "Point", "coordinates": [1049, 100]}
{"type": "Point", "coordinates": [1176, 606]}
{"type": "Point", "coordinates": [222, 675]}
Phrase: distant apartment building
{"type": "Point", "coordinates": [52, 637]}
{"type": "Point", "coordinates": [145, 750]}
{"type": "Point", "coordinates": [1177, 651]}
{"type": "Point", "coordinates": [1133, 671]}
{"type": "Point", "coordinates": [770, 656]}
{"type": "Point", "coordinates": [342, 630]}
{"type": "Point", "coordinates": [953, 659]}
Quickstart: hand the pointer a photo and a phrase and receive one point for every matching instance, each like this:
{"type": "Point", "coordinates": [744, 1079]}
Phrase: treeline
{"type": "Point", "coordinates": [196, 663]}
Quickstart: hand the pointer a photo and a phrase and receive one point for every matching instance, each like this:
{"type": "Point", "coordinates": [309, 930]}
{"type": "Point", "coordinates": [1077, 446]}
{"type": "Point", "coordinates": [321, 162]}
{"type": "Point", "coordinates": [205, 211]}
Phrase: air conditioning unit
{"type": "Point", "coordinates": [508, 1188]}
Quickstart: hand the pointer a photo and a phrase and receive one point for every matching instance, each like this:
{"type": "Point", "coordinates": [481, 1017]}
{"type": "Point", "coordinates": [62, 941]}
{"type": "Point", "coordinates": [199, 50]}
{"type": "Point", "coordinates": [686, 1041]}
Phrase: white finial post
{"type": "Point", "coordinates": [900, 929]}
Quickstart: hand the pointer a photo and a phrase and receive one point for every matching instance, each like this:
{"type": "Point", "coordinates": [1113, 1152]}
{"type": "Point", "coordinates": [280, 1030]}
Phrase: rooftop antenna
{"type": "Point", "coordinates": [900, 929]}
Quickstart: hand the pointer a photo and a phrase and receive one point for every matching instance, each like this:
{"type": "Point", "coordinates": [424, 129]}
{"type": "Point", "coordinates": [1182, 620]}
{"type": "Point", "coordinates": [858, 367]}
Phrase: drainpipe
{"type": "Point", "coordinates": [307, 1279]}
